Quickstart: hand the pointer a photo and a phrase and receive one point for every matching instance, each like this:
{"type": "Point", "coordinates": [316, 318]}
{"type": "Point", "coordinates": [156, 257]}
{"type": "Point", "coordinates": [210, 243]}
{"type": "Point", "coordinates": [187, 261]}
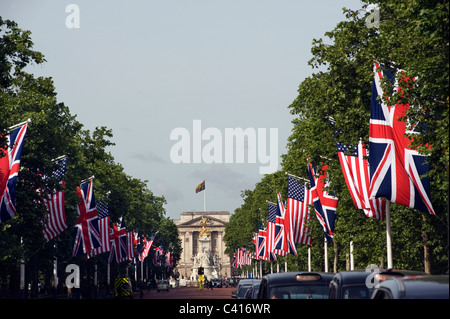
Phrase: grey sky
{"type": "Point", "coordinates": [144, 68]}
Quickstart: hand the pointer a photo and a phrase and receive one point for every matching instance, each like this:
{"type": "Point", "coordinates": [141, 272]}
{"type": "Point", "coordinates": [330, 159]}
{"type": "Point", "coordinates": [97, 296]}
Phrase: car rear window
{"type": "Point", "coordinates": [356, 292]}
{"type": "Point", "coordinates": [300, 292]}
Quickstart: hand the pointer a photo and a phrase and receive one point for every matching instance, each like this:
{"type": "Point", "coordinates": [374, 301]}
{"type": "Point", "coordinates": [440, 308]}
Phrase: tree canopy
{"type": "Point", "coordinates": [411, 36]}
{"type": "Point", "coordinates": [53, 132]}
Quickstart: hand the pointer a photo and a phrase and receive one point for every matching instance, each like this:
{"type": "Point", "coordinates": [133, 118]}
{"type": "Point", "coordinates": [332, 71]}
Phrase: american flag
{"type": "Point", "coordinates": [356, 174]}
{"type": "Point", "coordinates": [396, 169]}
{"type": "Point", "coordinates": [105, 230]}
{"type": "Point", "coordinates": [87, 232]}
{"type": "Point", "coordinates": [9, 170]}
{"type": "Point", "coordinates": [132, 241]}
{"type": "Point", "coordinates": [325, 203]}
{"type": "Point", "coordinates": [118, 240]}
{"type": "Point", "coordinates": [55, 219]}
{"type": "Point", "coordinates": [147, 245]}
{"type": "Point", "coordinates": [297, 211]}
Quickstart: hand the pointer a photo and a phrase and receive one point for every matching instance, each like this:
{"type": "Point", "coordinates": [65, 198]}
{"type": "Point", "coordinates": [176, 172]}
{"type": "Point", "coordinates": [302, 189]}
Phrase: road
{"type": "Point", "coordinates": [188, 293]}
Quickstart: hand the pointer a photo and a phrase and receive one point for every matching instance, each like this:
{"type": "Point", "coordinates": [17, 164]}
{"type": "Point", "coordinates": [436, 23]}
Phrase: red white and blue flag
{"type": "Point", "coordinates": [87, 232]}
{"type": "Point", "coordinates": [146, 246]}
{"type": "Point", "coordinates": [55, 220]}
{"type": "Point", "coordinates": [297, 212]}
{"type": "Point", "coordinates": [118, 240]}
{"type": "Point", "coordinates": [325, 203]}
{"type": "Point", "coordinates": [105, 229]}
{"type": "Point", "coordinates": [397, 172]}
{"type": "Point", "coordinates": [356, 173]}
{"type": "Point", "coordinates": [9, 171]}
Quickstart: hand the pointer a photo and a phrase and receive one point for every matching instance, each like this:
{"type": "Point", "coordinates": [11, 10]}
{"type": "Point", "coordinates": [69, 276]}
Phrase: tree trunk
{"type": "Point", "coordinates": [426, 249]}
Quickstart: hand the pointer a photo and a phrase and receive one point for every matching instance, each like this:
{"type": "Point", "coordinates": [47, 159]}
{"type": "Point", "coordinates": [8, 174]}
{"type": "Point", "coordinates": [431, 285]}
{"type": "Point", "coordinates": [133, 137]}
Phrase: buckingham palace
{"type": "Point", "coordinates": [201, 235]}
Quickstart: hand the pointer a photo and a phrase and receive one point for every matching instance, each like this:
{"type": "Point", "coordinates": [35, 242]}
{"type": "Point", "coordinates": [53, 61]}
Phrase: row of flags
{"type": "Point", "coordinates": [92, 232]}
{"type": "Point", "coordinates": [394, 171]}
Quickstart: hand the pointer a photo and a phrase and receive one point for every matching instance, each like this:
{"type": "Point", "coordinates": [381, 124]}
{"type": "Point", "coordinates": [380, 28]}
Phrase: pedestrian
{"type": "Point", "coordinates": [211, 284]}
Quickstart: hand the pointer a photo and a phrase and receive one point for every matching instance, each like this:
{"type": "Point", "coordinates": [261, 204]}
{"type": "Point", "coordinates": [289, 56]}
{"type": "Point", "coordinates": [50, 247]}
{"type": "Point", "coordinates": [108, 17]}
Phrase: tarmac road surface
{"type": "Point", "coordinates": [187, 293]}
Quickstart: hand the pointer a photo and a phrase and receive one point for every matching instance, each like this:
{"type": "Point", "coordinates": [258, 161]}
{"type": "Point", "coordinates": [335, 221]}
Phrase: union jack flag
{"type": "Point", "coordinates": [356, 174]}
{"type": "Point", "coordinates": [395, 168]}
{"type": "Point", "coordinates": [325, 203]}
{"type": "Point", "coordinates": [118, 240]}
{"type": "Point", "coordinates": [275, 224]}
{"type": "Point", "coordinates": [55, 219]}
{"type": "Point", "coordinates": [87, 232]}
{"type": "Point", "coordinates": [105, 230]}
{"type": "Point", "coordinates": [9, 170]}
{"type": "Point", "coordinates": [297, 212]}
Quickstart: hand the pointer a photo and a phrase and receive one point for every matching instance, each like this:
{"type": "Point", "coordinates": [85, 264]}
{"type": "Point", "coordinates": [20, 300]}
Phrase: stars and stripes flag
{"type": "Point", "coordinates": [356, 173]}
{"type": "Point", "coordinates": [325, 203]}
{"type": "Point", "coordinates": [105, 229]}
{"type": "Point", "coordinates": [118, 240]}
{"type": "Point", "coordinates": [147, 245]}
{"type": "Point", "coordinates": [55, 220]}
{"type": "Point", "coordinates": [9, 171]}
{"type": "Point", "coordinates": [297, 212]}
{"type": "Point", "coordinates": [275, 225]}
{"type": "Point", "coordinates": [397, 172]}
{"type": "Point", "coordinates": [87, 232]}
{"type": "Point", "coordinates": [132, 241]}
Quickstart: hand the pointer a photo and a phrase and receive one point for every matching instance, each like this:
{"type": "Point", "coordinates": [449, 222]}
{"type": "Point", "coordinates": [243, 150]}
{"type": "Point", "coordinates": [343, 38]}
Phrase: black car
{"type": "Point", "coordinates": [295, 285]}
{"type": "Point", "coordinates": [359, 284]}
{"type": "Point", "coordinates": [351, 285]}
{"type": "Point", "coordinates": [413, 287]}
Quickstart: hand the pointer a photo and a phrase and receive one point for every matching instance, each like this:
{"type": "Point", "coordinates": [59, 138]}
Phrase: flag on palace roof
{"type": "Point", "coordinates": [200, 187]}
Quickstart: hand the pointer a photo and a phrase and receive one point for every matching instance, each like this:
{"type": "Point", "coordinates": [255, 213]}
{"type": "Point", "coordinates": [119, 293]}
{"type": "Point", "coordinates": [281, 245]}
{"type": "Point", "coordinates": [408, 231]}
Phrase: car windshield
{"type": "Point", "coordinates": [300, 292]}
{"type": "Point", "coordinates": [356, 292]}
{"type": "Point", "coordinates": [243, 290]}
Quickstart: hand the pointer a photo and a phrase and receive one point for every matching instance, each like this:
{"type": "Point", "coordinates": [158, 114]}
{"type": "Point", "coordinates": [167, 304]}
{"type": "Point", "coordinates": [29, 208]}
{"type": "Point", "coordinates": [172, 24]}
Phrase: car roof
{"type": "Point", "coordinates": [289, 277]}
{"type": "Point", "coordinates": [247, 281]}
{"type": "Point", "coordinates": [351, 276]}
{"type": "Point", "coordinates": [425, 286]}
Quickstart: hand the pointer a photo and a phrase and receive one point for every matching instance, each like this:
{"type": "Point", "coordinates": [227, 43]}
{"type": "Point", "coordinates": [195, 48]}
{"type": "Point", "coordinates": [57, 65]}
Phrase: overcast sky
{"type": "Point", "coordinates": [147, 68]}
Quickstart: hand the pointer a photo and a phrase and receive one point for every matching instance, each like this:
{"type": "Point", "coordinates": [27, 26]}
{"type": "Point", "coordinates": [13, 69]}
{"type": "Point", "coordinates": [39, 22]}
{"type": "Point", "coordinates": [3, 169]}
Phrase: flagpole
{"type": "Point", "coordinates": [309, 258]}
{"type": "Point", "coordinates": [388, 235]}
{"type": "Point", "coordinates": [325, 247]}
{"type": "Point", "coordinates": [18, 125]}
{"type": "Point", "coordinates": [204, 200]}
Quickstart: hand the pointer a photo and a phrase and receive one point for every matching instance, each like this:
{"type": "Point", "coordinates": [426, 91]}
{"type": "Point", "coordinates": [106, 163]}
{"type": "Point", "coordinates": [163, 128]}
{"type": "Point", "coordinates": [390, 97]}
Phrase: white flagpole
{"type": "Point", "coordinates": [204, 199]}
{"type": "Point", "coordinates": [326, 254]}
{"type": "Point", "coordinates": [388, 235]}
{"type": "Point", "coordinates": [352, 262]}
{"type": "Point", "coordinates": [18, 125]}
{"type": "Point", "coordinates": [309, 258]}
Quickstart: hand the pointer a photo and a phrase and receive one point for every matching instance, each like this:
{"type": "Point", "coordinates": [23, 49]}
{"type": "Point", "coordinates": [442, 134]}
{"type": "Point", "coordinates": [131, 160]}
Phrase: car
{"type": "Point", "coordinates": [359, 284]}
{"type": "Point", "coordinates": [162, 285]}
{"type": "Point", "coordinates": [413, 287]}
{"type": "Point", "coordinates": [351, 285]}
{"type": "Point", "coordinates": [243, 286]}
{"type": "Point", "coordinates": [295, 285]}
{"type": "Point", "coordinates": [252, 292]}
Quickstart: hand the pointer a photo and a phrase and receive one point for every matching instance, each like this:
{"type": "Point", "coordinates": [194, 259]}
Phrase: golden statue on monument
{"type": "Point", "coordinates": [204, 223]}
